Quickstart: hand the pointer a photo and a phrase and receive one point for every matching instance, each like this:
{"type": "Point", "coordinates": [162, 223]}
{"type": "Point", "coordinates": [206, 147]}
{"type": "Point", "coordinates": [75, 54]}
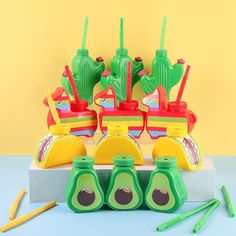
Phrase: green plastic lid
{"type": "Point", "coordinates": [82, 52]}
{"type": "Point", "coordinates": [121, 52]}
{"type": "Point", "coordinates": [161, 53]}
{"type": "Point", "coordinates": [83, 162]}
{"type": "Point", "coordinates": [123, 160]}
{"type": "Point", "coordinates": [165, 162]}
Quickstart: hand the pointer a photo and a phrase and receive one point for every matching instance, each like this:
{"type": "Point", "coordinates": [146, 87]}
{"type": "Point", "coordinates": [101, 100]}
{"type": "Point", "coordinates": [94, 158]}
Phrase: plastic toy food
{"type": "Point", "coordinates": [117, 76]}
{"type": "Point", "coordinates": [163, 72]}
{"type": "Point", "coordinates": [163, 114]}
{"type": "Point", "coordinates": [166, 191]}
{"type": "Point", "coordinates": [124, 191]}
{"type": "Point", "coordinates": [81, 122]}
{"type": "Point", "coordinates": [86, 72]}
{"type": "Point", "coordinates": [116, 142]}
{"type": "Point", "coordinates": [181, 145]}
{"type": "Point", "coordinates": [58, 147]}
{"type": "Point", "coordinates": [127, 112]}
{"type": "Point", "coordinates": [83, 191]}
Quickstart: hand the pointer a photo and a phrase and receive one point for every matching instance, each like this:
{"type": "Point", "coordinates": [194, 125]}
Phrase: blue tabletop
{"type": "Point", "coordinates": [62, 221]}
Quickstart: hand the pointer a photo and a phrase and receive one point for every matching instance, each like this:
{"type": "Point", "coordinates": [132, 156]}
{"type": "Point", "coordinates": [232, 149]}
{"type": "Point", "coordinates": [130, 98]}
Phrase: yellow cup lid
{"type": "Point", "coordinates": [59, 129]}
{"type": "Point", "coordinates": [117, 128]}
{"type": "Point", "coordinates": [177, 132]}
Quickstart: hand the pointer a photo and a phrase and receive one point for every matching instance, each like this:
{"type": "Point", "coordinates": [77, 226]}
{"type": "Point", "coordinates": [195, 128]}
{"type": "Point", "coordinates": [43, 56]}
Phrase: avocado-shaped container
{"type": "Point", "coordinates": [124, 191]}
{"type": "Point", "coordinates": [83, 191]}
{"type": "Point", "coordinates": [166, 191]}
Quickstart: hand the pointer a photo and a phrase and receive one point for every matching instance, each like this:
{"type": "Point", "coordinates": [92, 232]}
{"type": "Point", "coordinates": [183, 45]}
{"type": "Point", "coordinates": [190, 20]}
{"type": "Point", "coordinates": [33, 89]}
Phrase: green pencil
{"type": "Point", "coordinates": [184, 216]}
{"type": "Point", "coordinates": [229, 205]}
{"type": "Point", "coordinates": [205, 217]}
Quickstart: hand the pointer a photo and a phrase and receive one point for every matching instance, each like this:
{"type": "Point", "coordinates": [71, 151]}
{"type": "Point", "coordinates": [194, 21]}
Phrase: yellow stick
{"type": "Point", "coordinates": [53, 108]}
{"type": "Point", "coordinates": [15, 204]}
{"type": "Point", "coordinates": [27, 217]}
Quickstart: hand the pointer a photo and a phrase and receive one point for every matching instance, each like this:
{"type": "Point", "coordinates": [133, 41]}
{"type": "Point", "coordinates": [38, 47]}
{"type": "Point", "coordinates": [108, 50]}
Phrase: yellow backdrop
{"type": "Point", "coordinates": [39, 37]}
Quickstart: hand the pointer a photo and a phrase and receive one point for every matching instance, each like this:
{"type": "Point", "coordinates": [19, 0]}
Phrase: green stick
{"type": "Point", "coordinates": [205, 217]}
{"type": "Point", "coordinates": [184, 216]}
{"type": "Point", "coordinates": [83, 44]}
{"type": "Point", "coordinates": [229, 205]}
{"type": "Point", "coordinates": [121, 33]}
{"type": "Point", "coordinates": [163, 33]}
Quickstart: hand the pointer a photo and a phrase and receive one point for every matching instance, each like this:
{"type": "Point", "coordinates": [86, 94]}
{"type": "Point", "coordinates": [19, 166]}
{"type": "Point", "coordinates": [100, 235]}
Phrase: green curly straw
{"type": "Point", "coordinates": [121, 33]}
{"type": "Point", "coordinates": [163, 33]}
{"type": "Point", "coordinates": [83, 44]}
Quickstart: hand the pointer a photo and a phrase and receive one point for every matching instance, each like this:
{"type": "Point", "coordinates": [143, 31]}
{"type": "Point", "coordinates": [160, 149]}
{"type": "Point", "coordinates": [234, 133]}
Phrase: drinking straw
{"type": "Point", "coordinates": [26, 217]}
{"type": "Point", "coordinates": [15, 204]}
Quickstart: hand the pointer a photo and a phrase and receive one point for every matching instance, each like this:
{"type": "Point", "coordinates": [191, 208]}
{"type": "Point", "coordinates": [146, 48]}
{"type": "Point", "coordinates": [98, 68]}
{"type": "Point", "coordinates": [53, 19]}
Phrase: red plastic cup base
{"type": "Point", "coordinates": [128, 106]}
{"type": "Point", "coordinates": [177, 107]}
{"type": "Point", "coordinates": [81, 106]}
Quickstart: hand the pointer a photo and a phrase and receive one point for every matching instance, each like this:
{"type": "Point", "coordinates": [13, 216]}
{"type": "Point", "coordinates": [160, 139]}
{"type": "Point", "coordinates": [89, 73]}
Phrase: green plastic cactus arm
{"type": "Point", "coordinates": [147, 83]}
{"type": "Point", "coordinates": [119, 90]}
{"type": "Point", "coordinates": [137, 66]}
{"type": "Point", "coordinates": [177, 72]}
{"type": "Point", "coordinates": [99, 68]}
{"type": "Point", "coordinates": [65, 84]}
{"type": "Point", "coordinates": [106, 79]}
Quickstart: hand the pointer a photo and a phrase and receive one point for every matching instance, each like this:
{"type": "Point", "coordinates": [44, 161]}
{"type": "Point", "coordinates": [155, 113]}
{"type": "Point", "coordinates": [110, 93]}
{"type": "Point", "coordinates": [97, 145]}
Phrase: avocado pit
{"type": "Point", "coordinates": [123, 196]}
{"type": "Point", "coordinates": [86, 197]}
{"type": "Point", "coordinates": [160, 196]}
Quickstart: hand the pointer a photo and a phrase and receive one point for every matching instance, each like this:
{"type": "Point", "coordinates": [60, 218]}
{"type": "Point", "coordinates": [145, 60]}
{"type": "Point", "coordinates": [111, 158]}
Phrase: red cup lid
{"type": "Point", "coordinates": [81, 106]}
{"type": "Point", "coordinates": [128, 106]}
{"type": "Point", "coordinates": [177, 107]}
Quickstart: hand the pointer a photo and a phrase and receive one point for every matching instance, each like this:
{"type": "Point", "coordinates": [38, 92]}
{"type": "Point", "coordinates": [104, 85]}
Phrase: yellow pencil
{"type": "Point", "coordinates": [15, 204]}
{"type": "Point", "coordinates": [26, 217]}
